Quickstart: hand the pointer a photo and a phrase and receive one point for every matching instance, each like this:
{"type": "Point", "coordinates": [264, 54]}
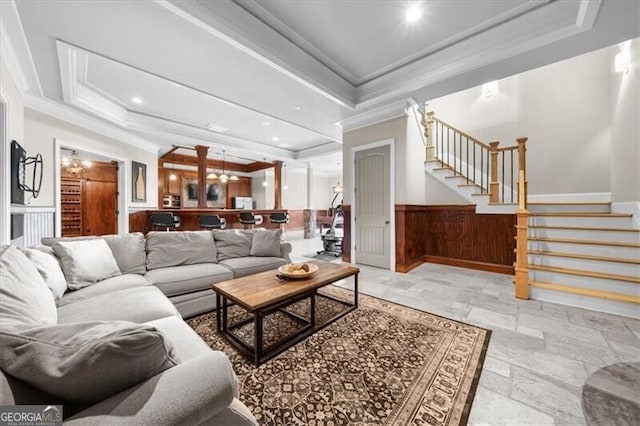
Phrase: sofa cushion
{"type": "Point", "coordinates": [47, 264]}
{"type": "Point", "coordinates": [86, 362]}
{"type": "Point", "coordinates": [139, 304]}
{"type": "Point", "coordinates": [127, 249]}
{"type": "Point", "coordinates": [166, 249]}
{"type": "Point", "coordinates": [233, 243]}
{"type": "Point", "coordinates": [129, 252]}
{"type": "Point", "coordinates": [186, 342]}
{"type": "Point", "coordinates": [25, 299]}
{"type": "Point", "coordinates": [266, 243]}
{"type": "Point", "coordinates": [188, 278]}
{"type": "Point", "coordinates": [110, 285]}
{"type": "Point", "coordinates": [86, 262]}
{"type": "Point", "coordinates": [242, 266]}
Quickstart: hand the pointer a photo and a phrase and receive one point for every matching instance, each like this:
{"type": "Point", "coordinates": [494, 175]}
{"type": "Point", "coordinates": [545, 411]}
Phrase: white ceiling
{"type": "Point", "coordinates": [238, 64]}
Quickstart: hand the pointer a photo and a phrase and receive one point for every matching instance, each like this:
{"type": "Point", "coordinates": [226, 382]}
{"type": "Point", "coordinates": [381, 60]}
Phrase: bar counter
{"type": "Point", "coordinates": [190, 218]}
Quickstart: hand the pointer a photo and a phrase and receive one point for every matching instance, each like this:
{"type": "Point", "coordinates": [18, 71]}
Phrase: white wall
{"type": "Point", "coordinates": [295, 197]}
{"type": "Point", "coordinates": [564, 110]}
{"type": "Point", "coordinates": [40, 132]}
{"type": "Point", "coordinates": [395, 129]}
{"type": "Point", "coordinates": [323, 192]}
{"type": "Point", "coordinates": [10, 95]}
{"type": "Point", "coordinates": [625, 129]}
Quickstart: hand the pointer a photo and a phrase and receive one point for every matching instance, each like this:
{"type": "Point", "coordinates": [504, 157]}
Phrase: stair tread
{"type": "Point", "coordinates": [579, 214]}
{"type": "Point", "coordinates": [584, 256]}
{"type": "Point", "coordinates": [456, 176]}
{"type": "Point", "coordinates": [570, 271]}
{"type": "Point", "coordinates": [584, 228]}
{"type": "Point", "coordinates": [586, 292]}
{"type": "Point", "coordinates": [571, 241]}
{"type": "Point", "coordinates": [569, 203]}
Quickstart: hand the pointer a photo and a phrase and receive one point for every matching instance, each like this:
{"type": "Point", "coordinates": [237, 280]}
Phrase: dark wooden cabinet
{"type": "Point", "coordinates": [89, 201]}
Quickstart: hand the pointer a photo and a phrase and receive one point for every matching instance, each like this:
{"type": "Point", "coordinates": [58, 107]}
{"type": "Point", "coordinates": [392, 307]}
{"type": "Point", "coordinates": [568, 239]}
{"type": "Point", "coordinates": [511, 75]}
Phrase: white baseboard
{"type": "Point", "coordinates": [632, 207]}
{"type": "Point", "coordinates": [586, 197]}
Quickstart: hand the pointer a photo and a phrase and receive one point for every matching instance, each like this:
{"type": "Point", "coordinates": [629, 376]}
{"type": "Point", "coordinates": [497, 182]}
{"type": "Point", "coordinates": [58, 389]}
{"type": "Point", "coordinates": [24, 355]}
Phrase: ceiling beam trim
{"type": "Point", "coordinates": [240, 29]}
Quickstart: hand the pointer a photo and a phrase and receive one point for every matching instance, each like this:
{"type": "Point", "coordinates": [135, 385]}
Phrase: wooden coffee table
{"type": "Point", "coordinates": [263, 294]}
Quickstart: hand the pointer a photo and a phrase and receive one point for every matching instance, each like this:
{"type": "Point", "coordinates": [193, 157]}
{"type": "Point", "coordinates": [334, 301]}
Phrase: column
{"type": "Point", "coordinates": [277, 183]}
{"type": "Point", "coordinates": [202, 151]}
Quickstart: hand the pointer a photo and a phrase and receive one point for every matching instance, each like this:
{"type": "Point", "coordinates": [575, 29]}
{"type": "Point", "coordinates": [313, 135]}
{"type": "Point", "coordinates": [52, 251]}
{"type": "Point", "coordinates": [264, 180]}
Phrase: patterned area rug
{"type": "Point", "coordinates": [382, 364]}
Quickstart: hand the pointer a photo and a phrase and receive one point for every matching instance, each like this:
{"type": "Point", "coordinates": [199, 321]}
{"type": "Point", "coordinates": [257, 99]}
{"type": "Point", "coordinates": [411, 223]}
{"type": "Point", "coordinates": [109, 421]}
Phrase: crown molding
{"type": "Point", "coordinates": [236, 26]}
{"type": "Point", "coordinates": [162, 127]}
{"type": "Point", "coordinates": [72, 116]}
{"type": "Point", "coordinates": [542, 26]}
{"type": "Point", "coordinates": [386, 112]}
{"type": "Point", "coordinates": [318, 151]}
{"type": "Point", "coordinates": [15, 50]}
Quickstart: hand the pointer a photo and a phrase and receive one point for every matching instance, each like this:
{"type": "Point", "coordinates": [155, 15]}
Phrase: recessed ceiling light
{"type": "Point", "coordinates": [136, 100]}
{"type": "Point", "coordinates": [297, 108]}
{"type": "Point", "coordinates": [216, 128]}
{"type": "Point", "coordinates": [266, 123]}
{"type": "Point", "coordinates": [414, 12]}
{"type": "Point", "coordinates": [275, 139]}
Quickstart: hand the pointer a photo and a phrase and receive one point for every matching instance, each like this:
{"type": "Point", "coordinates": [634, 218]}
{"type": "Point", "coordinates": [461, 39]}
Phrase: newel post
{"type": "Point", "coordinates": [522, 225]}
{"type": "Point", "coordinates": [428, 133]}
{"type": "Point", "coordinates": [494, 184]}
{"type": "Point", "coordinates": [522, 166]}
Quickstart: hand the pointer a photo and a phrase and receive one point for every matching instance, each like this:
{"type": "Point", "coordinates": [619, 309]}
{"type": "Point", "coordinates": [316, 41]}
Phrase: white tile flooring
{"type": "Point", "coordinates": [540, 353]}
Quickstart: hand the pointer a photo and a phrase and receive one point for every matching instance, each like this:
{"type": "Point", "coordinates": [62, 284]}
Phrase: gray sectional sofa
{"type": "Point", "coordinates": [96, 325]}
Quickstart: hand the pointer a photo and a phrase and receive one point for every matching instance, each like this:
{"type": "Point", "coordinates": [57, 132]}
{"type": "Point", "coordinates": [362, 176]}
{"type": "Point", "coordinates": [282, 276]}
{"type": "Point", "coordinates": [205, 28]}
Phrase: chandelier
{"type": "Point", "coordinates": [74, 164]}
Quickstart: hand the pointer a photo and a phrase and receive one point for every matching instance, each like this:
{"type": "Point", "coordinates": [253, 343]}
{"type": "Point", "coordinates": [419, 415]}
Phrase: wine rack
{"type": "Point", "coordinates": [71, 207]}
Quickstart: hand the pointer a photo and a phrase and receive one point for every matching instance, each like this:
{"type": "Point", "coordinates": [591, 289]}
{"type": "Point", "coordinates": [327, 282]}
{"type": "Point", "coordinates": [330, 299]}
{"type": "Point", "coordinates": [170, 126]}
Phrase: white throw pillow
{"type": "Point", "coordinates": [86, 362]}
{"type": "Point", "coordinates": [50, 269]}
{"type": "Point", "coordinates": [86, 262]}
{"type": "Point", "coordinates": [25, 299]}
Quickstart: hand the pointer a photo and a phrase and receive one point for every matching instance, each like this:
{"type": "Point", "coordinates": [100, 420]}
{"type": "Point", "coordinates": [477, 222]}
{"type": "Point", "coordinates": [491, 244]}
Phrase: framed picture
{"type": "Point", "coordinates": [216, 193]}
{"type": "Point", "coordinates": [138, 182]}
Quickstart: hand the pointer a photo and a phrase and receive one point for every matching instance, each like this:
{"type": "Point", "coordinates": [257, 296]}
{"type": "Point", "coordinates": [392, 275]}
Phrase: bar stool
{"type": "Point", "coordinates": [164, 221]}
{"type": "Point", "coordinates": [279, 218]}
{"type": "Point", "coordinates": [212, 221]}
{"type": "Point", "coordinates": [247, 219]}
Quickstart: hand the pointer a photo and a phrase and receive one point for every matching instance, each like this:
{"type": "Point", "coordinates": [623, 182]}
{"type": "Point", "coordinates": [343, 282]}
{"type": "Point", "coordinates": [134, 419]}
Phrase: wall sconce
{"type": "Point", "coordinates": [490, 89]}
{"type": "Point", "coordinates": [622, 61]}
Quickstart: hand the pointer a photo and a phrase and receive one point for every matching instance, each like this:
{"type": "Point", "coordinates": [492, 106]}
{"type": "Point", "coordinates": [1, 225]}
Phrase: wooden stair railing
{"type": "Point", "coordinates": [493, 170]}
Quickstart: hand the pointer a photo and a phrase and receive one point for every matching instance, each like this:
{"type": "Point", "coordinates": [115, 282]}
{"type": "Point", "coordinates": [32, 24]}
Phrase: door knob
{"type": "Point", "coordinates": [386, 222]}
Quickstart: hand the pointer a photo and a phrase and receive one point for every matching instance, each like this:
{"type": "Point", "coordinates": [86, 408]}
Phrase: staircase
{"type": "Point", "coordinates": [578, 254]}
{"type": "Point", "coordinates": [583, 255]}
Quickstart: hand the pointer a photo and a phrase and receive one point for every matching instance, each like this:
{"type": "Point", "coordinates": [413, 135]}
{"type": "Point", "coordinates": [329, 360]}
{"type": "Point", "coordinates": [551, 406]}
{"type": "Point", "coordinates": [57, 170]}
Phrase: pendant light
{"type": "Point", "coordinates": [223, 177]}
{"type": "Point", "coordinates": [337, 188]}
{"type": "Point", "coordinates": [172, 175]}
{"type": "Point", "coordinates": [285, 187]}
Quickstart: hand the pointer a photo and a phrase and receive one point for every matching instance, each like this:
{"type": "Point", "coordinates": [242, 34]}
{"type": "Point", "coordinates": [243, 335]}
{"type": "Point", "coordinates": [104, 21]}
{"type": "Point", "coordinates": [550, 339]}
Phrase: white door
{"type": "Point", "coordinates": [372, 207]}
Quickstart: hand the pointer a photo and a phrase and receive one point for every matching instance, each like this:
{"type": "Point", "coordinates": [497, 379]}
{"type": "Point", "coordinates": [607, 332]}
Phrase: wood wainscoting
{"type": "Point", "coordinates": [451, 235]}
{"type": "Point", "coordinates": [457, 236]}
{"type": "Point", "coordinates": [411, 227]}
{"type": "Point", "coordinates": [346, 238]}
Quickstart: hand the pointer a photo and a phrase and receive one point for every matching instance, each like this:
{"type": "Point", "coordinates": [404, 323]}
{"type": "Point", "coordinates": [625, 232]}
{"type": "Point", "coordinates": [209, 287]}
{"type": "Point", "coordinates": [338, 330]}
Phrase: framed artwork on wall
{"type": "Point", "coordinates": [216, 193]}
{"type": "Point", "coordinates": [138, 182]}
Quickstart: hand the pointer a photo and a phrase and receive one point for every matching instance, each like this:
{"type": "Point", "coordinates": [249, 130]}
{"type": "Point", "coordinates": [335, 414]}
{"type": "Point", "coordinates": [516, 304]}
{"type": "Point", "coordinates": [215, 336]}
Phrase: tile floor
{"type": "Point", "coordinates": [540, 353]}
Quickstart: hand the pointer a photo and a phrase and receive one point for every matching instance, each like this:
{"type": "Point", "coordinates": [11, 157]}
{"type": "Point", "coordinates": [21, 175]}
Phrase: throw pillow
{"type": "Point", "coordinates": [86, 262]}
{"type": "Point", "coordinates": [233, 243]}
{"type": "Point", "coordinates": [86, 362]}
{"type": "Point", "coordinates": [128, 250]}
{"type": "Point", "coordinates": [266, 243]}
{"type": "Point", "coordinates": [48, 266]}
{"type": "Point", "coordinates": [25, 299]}
{"type": "Point", "coordinates": [180, 248]}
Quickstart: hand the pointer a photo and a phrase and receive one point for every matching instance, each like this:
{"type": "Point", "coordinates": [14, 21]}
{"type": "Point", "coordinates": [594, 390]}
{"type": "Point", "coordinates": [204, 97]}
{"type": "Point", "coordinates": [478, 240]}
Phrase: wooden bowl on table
{"type": "Point", "coordinates": [298, 270]}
